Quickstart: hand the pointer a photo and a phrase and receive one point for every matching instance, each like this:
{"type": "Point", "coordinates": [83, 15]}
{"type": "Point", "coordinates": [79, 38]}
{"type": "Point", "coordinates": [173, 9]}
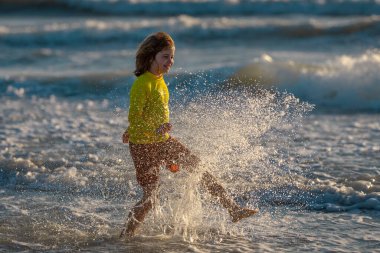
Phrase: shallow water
{"type": "Point", "coordinates": [68, 184]}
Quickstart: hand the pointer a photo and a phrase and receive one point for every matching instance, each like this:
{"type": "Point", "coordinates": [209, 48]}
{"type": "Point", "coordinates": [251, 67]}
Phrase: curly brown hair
{"type": "Point", "coordinates": [148, 49]}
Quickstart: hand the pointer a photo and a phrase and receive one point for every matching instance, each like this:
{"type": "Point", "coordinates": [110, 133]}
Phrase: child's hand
{"type": "Point", "coordinates": [125, 137]}
{"type": "Point", "coordinates": [164, 128]}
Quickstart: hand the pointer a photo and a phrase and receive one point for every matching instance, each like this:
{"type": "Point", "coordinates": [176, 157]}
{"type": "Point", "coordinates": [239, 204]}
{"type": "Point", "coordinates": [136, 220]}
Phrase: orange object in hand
{"type": "Point", "coordinates": [173, 167]}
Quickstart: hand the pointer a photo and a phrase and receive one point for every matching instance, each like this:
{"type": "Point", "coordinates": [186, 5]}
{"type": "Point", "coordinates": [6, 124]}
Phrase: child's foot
{"type": "Point", "coordinates": [242, 213]}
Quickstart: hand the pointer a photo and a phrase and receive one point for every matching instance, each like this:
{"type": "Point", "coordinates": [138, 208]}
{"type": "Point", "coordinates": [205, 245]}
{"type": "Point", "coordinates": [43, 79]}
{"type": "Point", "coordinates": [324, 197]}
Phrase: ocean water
{"type": "Point", "coordinates": [280, 100]}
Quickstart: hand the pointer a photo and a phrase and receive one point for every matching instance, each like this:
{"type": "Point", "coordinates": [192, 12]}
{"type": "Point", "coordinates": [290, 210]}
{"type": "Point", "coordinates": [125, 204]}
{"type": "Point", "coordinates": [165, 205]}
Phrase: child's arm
{"type": "Point", "coordinates": [139, 96]}
{"type": "Point", "coordinates": [164, 128]}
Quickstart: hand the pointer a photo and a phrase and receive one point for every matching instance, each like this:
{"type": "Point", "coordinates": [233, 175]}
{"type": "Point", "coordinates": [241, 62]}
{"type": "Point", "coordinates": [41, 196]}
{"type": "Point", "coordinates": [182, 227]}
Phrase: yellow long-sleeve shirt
{"type": "Point", "coordinates": [148, 109]}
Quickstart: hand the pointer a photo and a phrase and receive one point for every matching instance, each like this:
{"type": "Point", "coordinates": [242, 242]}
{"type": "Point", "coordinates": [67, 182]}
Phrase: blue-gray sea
{"type": "Point", "coordinates": [280, 100]}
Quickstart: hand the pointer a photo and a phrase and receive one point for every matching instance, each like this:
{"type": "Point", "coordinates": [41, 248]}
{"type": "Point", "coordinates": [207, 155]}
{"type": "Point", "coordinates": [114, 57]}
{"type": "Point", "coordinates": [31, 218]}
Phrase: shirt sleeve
{"type": "Point", "coordinates": [138, 100]}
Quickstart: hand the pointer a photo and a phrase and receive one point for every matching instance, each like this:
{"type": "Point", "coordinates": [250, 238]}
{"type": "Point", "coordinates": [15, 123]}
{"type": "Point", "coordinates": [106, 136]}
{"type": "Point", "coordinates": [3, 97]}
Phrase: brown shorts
{"type": "Point", "coordinates": [148, 158]}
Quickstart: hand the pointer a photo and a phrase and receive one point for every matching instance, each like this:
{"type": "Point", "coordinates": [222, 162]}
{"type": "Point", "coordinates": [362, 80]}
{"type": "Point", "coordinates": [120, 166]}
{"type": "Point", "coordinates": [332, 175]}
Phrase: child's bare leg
{"type": "Point", "coordinates": [216, 190]}
{"type": "Point", "coordinates": [137, 214]}
{"type": "Point", "coordinates": [213, 187]}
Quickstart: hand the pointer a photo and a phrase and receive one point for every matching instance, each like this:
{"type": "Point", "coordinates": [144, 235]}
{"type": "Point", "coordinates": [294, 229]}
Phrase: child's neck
{"type": "Point", "coordinates": [155, 72]}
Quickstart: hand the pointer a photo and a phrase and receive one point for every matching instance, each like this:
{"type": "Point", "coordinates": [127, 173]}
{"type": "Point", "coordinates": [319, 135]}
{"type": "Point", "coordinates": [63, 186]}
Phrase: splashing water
{"type": "Point", "coordinates": [242, 139]}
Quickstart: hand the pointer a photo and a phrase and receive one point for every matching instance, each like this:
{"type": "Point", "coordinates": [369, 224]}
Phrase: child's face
{"type": "Point", "coordinates": [163, 61]}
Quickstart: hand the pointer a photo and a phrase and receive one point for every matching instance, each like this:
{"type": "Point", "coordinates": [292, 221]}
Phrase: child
{"type": "Point", "coordinates": [148, 133]}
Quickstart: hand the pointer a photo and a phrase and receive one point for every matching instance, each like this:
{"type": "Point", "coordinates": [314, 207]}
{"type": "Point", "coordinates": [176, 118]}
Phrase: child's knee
{"type": "Point", "coordinates": [190, 161]}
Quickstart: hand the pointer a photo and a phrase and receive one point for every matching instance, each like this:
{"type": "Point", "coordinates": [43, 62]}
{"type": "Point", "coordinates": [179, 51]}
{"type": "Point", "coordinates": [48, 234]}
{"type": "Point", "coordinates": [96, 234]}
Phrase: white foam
{"type": "Point", "coordinates": [347, 82]}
